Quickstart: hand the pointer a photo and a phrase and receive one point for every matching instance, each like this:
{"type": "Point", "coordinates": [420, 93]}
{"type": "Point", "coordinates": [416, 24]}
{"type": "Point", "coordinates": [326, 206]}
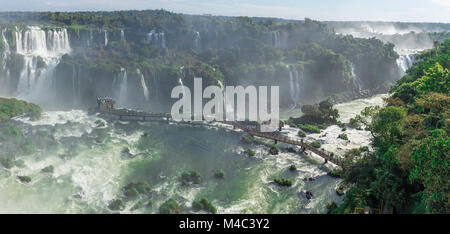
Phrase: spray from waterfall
{"type": "Point", "coordinates": [105, 34]}
{"type": "Point", "coordinates": [356, 78]}
{"type": "Point", "coordinates": [120, 84]}
{"type": "Point", "coordinates": [158, 39]}
{"type": "Point", "coordinates": [122, 35]}
{"type": "Point", "coordinates": [275, 39]}
{"type": "Point", "coordinates": [295, 79]}
{"type": "Point", "coordinates": [143, 85]}
{"type": "Point", "coordinates": [404, 62]}
{"type": "Point", "coordinates": [41, 52]}
{"type": "Point", "coordinates": [197, 42]}
{"type": "Point", "coordinates": [4, 70]}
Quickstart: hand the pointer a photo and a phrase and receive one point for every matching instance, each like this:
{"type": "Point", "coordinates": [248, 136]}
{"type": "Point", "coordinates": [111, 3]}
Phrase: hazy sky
{"type": "Point", "coordinates": [375, 10]}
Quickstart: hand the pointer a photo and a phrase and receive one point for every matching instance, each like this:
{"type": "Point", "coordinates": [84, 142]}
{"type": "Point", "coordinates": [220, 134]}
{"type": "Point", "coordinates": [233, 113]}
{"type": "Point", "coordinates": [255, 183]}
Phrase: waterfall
{"type": "Point", "coordinates": [105, 33]}
{"type": "Point", "coordinates": [122, 35]}
{"type": "Point", "coordinates": [197, 42]}
{"type": "Point", "coordinates": [356, 78]}
{"type": "Point", "coordinates": [275, 39]}
{"type": "Point", "coordinates": [404, 62]}
{"type": "Point", "coordinates": [150, 36]}
{"type": "Point", "coordinates": [120, 85]}
{"type": "Point", "coordinates": [158, 39]}
{"type": "Point", "coordinates": [143, 85]}
{"type": "Point", "coordinates": [42, 51]}
{"type": "Point", "coordinates": [4, 72]}
{"type": "Point", "coordinates": [6, 50]}
{"type": "Point", "coordinates": [294, 83]}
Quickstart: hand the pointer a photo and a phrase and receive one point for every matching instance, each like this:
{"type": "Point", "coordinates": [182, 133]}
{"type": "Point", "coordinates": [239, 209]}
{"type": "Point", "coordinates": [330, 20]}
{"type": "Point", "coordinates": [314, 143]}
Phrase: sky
{"type": "Point", "coordinates": [339, 10]}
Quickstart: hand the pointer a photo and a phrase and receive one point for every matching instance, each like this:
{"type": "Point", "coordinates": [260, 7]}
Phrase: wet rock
{"type": "Point", "coordinates": [24, 179]}
{"type": "Point", "coordinates": [48, 169]}
{"type": "Point", "coordinates": [308, 195]}
{"type": "Point", "coordinates": [116, 204]}
{"type": "Point", "coordinates": [126, 152]}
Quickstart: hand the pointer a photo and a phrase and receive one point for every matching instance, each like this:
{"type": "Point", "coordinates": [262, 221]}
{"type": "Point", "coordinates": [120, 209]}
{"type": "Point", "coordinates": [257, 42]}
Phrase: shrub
{"type": "Point", "coordinates": [250, 152]}
{"type": "Point", "coordinates": [132, 190]}
{"type": "Point", "coordinates": [7, 162]}
{"type": "Point", "coordinates": [190, 177]}
{"type": "Point", "coordinates": [169, 207]}
{"type": "Point", "coordinates": [301, 133]}
{"type": "Point", "coordinates": [247, 139]}
{"type": "Point", "coordinates": [283, 182]}
{"type": "Point", "coordinates": [309, 128]}
{"type": "Point", "coordinates": [316, 144]}
{"type": "Point", "coordinates": [219, 174]}
{"type": "Point", "coordinates": [274, 150]}
{"type": "Point", "coordinates": [116, 204]}
{"type": "Point", "coordinates": [24, 179]}
{"type": "Point", "coordinates": [204, 204]}
{"type": "Point", "coordinates": [343, 136]}
{"type": "Point", "coordinates": [48, 169]}
{"type": "Point", "coordinates": [293, 167]}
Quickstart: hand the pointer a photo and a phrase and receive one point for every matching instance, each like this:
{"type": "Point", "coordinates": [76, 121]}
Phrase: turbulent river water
{"type": "Point", "coordinates": [90, 168]}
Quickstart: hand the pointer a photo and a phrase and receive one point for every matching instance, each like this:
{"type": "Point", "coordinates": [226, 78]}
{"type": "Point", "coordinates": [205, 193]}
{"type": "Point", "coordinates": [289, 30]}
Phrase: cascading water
{"type": "Point", "coordinates": [159, 39]}
{"type": "Point", "coordinates": [4, 72]}
{"type": "Point", "coordinates": [6, 50]}
{"type": "Point", "coordinates": [105, 35]}
{"type": "Point", "coordinates": [143, 85]}
{"type": "Point", "coordinates": [42, 51]}
{"type": "Point", "coordinates": [120, 84]}
{"type": "Point", "coordinates": [404, 62]}
{"type": "Point", "coordinates": [294, 83]}
{"type": "Point", "coordinates": [122, 35]}
{"type": "Point", "coordinates": [197, 42]}
{"type": "Point", "coordinates": [275, 39]}
{"type": "Point", "coordinates": [356, 78]}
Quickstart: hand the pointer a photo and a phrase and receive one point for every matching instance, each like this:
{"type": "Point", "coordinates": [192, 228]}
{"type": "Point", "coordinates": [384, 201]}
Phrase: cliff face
{"type": "Point", "coordinates": [67, 64]}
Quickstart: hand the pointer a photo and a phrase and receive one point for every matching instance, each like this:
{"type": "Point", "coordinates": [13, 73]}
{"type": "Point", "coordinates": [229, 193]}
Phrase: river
{"type": "Point", "coordinates": [90, 168]}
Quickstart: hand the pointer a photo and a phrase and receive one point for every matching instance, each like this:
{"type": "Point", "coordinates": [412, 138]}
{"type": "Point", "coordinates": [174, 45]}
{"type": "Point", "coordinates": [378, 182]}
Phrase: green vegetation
{"type": "Point", "coordinates": [133, 190]}
{"type": "Point", "coordinates": [409, 169]}
{"type": "Point", "coordinates": [283, 182]}
{"type": "Point", "coordinates": [169, 207]}
{"type": "Point", "coordinates": [48, 169]}
{"type": "Point", "coordinates": [321, 115]}
{"type": "Point", "coordinates": [309, 128]}
{"type": "Point", "coordinates": [190, 177]}
{"type": "Point", "coordinates": [292, 167]}
{"type": "Point", "coordinates": [204, 204]}
{"type": "Point", "coordinates": [316, 144]}
{"type": "Point", "coordinates": [343, 136]}
{"type": "Point", "coordinates": [250, 152]}
{"type": "Point", "coordinates": [233, 50]}
{"type": "Point", "coordinates": [116, 204]}
{"type": "Point", "coordinates": [7, 162]}
{"type": "Point", "coordinates": [219, 174]}
{"type": "Point", "coordinates": [274, 150]}
{"type": "Point", "coordinates": [10, 108]}
{"type": "Point", "coordinates": [247, 139]}
{"type": "Point", "coordinates": [24, 179]}
{"type": "Point", "coordinates": [302, 133]}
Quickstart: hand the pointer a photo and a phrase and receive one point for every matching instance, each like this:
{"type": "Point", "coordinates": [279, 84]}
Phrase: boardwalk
{"type": "Point", "coordinates": [137, 115]}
